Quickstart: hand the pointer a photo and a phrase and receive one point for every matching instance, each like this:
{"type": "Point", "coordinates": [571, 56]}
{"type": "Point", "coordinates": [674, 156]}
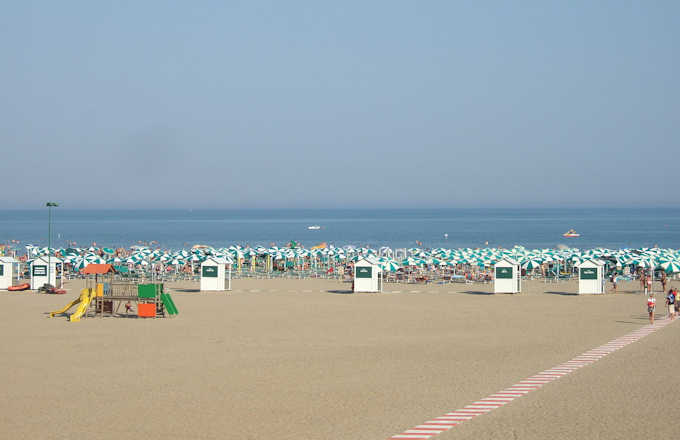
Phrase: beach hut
{"type": "Point", "coordinates": [367, 275]}
{"type": "Point", "coordinates": [590, 277]}
{"type": "Point", "coordinates": [44, 271]}
{"type": "Point", "coordinates": [507, 277]}
{"type": "Point", "coordinates": [216, 274]}
{"type": "Point", "coordinates": [6, 272]}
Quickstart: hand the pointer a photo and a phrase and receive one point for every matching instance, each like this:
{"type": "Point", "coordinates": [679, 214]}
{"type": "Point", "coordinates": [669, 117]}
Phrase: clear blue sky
{"type": "Point", "coordinates": [339, 104]}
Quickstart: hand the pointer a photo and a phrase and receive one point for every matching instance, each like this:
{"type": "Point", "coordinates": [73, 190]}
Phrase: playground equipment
{"type": "Point", "coordinates": [144, 300]}
{"type": "Point", "coordinates": [109, 297]}
{"type": "Point", "coordinates": [83, 302]}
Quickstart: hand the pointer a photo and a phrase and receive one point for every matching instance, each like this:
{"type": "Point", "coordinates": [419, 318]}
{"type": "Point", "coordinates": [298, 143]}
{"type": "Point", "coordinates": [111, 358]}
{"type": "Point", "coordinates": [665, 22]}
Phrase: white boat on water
{"type": "Point", "coordinates": [314, 227]}
{"type": "Point", "coordinates": [571, 233]}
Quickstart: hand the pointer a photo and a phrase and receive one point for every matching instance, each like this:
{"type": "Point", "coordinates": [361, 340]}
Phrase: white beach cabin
{"type": "Point", "coordinates": [216, 274]}
{"type": "Point", "coordinates": [591, 277]}
{"type": "Point", "coordinates": [507, 276]}
{"type": "Point", "coordinates": [367, 276]}
{"type": "Point", "coordinates": [44, 271]}
{"type": "Point", "coordinates": [6, 272]}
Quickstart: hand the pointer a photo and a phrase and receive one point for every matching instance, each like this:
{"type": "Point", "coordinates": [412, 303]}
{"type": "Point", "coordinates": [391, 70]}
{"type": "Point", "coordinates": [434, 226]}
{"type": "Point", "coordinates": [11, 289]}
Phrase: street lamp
{"type": "Point", "coordinates": [49, 205]}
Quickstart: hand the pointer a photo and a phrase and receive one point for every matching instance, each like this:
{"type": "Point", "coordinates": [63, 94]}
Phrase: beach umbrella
{"type": "Point", "coordinates": [671, 266]}
{"type": "Point", "coordinates": [642, 262]}
{"type": "Point", "coordinates": [420, 262]}
{"type": "Point", "coordinates": [408, 262]}
{"type": "Point", "coordinates": [530, 264]}
{"type": "Point", "coordinates": [390, 266]}
{"type": "Point", "coordinates": [95, 259]}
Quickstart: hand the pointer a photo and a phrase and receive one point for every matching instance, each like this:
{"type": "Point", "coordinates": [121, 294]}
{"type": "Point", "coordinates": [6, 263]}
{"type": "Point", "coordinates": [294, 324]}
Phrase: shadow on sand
{"type": "Point", "coordinates": [640, 320]}
{"type": "Point", "coordinates": [341, 292]}
{"type": "Point", "coordinates": [562, 293]}
{"type": "Point", "coordinates": [477, 292]}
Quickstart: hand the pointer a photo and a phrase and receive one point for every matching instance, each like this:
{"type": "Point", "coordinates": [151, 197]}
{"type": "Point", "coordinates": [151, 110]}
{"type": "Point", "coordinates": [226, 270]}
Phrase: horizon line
{"type": "Point", "coordinates": [361, 208]}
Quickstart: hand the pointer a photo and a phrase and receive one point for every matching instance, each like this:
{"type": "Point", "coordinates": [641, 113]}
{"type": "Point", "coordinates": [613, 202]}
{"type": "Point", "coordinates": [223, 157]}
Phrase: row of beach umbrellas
{"type": "Point", "coordinates": [530, 259]}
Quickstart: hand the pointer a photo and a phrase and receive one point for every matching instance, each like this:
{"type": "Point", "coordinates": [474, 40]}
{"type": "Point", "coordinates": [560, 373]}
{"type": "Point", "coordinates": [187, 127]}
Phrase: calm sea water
{"type": "Point", "coordinates": [532, 228]}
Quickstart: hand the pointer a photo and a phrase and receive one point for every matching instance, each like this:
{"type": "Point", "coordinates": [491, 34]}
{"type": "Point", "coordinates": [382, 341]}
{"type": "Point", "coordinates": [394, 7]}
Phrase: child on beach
{"type": "Point", "coordinates": [651, 305]}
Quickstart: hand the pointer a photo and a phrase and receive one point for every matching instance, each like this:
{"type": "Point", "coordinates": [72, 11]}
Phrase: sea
{"type": "Point", "coordinates": [397, 228]}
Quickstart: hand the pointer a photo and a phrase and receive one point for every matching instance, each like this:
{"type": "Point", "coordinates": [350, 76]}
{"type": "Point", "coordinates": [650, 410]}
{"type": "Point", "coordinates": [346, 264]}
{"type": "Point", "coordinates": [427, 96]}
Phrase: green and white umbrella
{"type": "Point", "coordinates": [671, 266]}
{"type": "Point", "coordinates": [530, 264]}
{"type": "Point", "coordinates": [390, 266]}
{"type": "Point", "coordinates": [643, 262]}
{"type": "Point", "coordinates": [409, 262]}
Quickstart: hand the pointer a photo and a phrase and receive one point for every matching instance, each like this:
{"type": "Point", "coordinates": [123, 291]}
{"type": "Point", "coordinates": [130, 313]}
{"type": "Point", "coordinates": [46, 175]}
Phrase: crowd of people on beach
{"type": "Point", "coordinates": [672, 299]}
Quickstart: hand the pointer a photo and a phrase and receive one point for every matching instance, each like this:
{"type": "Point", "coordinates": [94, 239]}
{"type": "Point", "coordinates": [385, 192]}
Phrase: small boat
{"type": "Point", "coordinates": [19, 287]}
{"type": "Point", "coordinates": [314, 227]}
{"type": "Point", "coordinates": [571, 233]}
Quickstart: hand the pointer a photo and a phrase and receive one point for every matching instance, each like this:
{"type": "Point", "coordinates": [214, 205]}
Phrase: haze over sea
{"type": "Point", "coordinates": [532, 228]}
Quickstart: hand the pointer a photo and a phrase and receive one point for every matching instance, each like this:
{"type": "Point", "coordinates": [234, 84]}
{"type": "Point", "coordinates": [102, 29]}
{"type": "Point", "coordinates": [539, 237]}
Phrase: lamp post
{"type": "Point", "coordinates": [49, 205]}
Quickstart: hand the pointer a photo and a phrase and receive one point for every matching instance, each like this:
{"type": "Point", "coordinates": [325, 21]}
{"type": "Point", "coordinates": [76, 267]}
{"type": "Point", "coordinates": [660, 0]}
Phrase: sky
{"type": "Point", "coordinates": [255, 104]}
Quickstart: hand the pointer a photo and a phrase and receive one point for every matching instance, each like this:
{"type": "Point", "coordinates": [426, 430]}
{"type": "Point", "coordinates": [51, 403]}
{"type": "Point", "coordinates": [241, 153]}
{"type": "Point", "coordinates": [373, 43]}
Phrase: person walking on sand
{"type": "Point", "coordinates": [613, 280]}
{"type": "Point", "coordinates": [651, 305]}
{"type": "Point", "coordinates": [643, 282]}
{"type": "Point", "coordinates": [670, 303]}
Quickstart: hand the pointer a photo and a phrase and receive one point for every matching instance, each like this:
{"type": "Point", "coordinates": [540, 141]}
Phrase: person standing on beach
{"type": "Point", "coordinates": [613, 280]}
{"type": "Point", "coordinates": [663, 281]}
{"type": "Point", "coordinates": [643, 282]}
{"type": "Point", "coordinates": [650, 278]}
{"type": "Point", "coordinates": [670, 303]}
{"type": "Point", "coordinates": [651, 305]}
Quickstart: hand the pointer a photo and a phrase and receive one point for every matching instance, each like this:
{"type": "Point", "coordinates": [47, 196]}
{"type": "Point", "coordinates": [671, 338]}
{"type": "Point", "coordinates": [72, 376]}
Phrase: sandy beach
{"type": "Point", "coordinates": [422, 155]}
{"type": "Point", "coordinates": [303, 359]}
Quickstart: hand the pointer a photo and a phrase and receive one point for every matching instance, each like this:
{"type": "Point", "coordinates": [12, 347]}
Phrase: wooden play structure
{"type": "Point", "coordinates": [104, 296]}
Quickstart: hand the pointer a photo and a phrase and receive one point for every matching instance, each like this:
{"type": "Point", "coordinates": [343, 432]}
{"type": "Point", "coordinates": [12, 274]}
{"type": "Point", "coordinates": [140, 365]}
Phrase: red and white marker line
{"type": "Point", "coordinates": [523, 387]}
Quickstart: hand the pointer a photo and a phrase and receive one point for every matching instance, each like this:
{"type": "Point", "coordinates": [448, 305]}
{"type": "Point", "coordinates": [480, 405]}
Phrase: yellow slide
{"type": "Point", "coordinates": [82, 302]}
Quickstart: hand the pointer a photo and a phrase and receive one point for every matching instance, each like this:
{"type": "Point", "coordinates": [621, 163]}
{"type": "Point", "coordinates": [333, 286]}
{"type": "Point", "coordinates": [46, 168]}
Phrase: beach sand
{"type": "Point", "coordinates": [303, 359]}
